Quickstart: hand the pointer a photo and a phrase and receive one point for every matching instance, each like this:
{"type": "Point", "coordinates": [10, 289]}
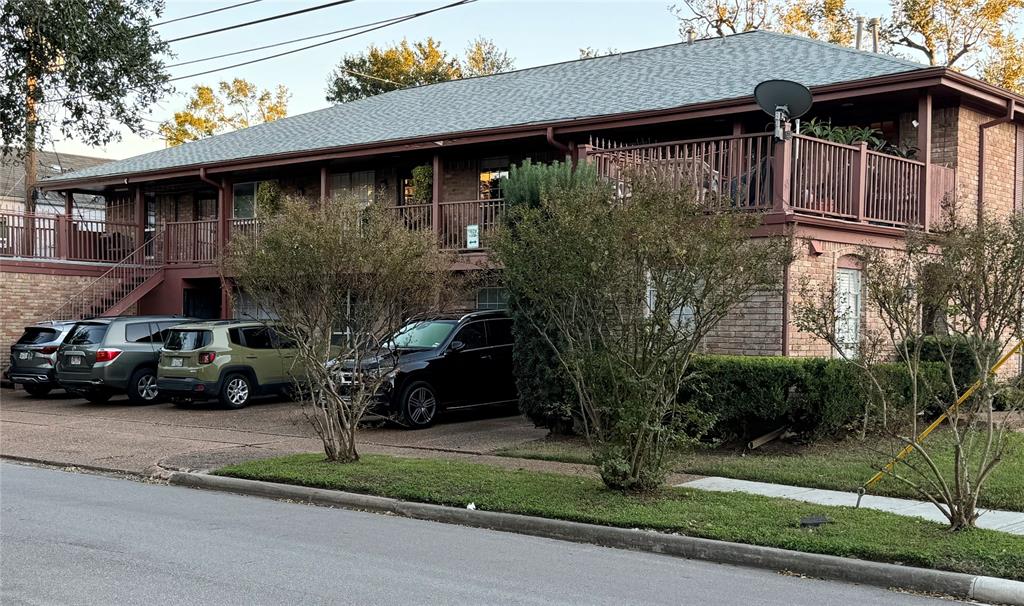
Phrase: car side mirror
{"type": "Point", "coordinates": [456, 346]}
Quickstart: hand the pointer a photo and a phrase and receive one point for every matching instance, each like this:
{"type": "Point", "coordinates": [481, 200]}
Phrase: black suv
{"type": "Point", "coordinates": [450, 362]}
{"type": "Point", "coordinates": [34, 355]}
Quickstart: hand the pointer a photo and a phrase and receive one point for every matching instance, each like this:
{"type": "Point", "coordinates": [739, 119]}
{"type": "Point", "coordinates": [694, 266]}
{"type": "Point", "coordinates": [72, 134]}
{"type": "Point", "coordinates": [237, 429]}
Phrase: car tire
{"type": "Point", "coordinates": [419, 405]}
{"type": "Point", "coordinates": [36, 390]}
{"type": "Point", "coordinates": [142, 387]}
{"type": "Point", "coordinates": [97, 397]}
{"type": "Point", "coordinates": [236, 391]}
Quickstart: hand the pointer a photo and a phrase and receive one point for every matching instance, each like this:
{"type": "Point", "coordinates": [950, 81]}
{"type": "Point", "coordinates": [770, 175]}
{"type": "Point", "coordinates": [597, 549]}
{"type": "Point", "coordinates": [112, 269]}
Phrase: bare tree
{"type": "Point", "coordinates": [631, 287]}
{"type": "Point", "coordinates": [341, 278]}
{"type": "Point", "coordinates": [968, 277]}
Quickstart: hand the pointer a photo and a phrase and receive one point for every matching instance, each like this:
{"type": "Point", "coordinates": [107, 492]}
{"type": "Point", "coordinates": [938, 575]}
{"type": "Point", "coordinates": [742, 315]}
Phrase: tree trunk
{"type": "Point", "coordinates": [31, 166]}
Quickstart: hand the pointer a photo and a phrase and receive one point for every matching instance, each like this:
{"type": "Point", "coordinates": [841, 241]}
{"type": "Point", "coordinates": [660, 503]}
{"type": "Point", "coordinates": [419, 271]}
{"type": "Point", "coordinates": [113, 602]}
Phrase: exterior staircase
{"type": "Point", "coordinates": [116, 290]}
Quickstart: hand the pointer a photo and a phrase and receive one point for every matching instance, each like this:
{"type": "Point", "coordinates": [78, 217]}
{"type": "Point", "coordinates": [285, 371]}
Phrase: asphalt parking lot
{"type": "Point", "coordinates": [66, 429]}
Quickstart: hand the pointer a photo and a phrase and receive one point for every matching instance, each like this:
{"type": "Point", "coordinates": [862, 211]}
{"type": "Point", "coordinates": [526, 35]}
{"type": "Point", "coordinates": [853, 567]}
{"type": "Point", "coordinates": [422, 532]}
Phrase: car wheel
{"type": "Point", "coordinates": [37, 391]}
{"type": "Point", "coordinates": [97, 397]}
{"type": "Point", "coordinates": [236, 391]}
{"type": "Point", "coordinates": [419, 405]}
{"type": "Point", "coordinates": [142, 387]}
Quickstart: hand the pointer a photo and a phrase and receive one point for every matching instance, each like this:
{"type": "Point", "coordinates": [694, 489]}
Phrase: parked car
{"type": "Point", "coordinates": [105, 356]}
{"type": "Point", "coordinates": [227, 360]}
{"type": "Point", "coordinates": [445, 363]}
{"type": "Point", "coordinates": [34, 354]}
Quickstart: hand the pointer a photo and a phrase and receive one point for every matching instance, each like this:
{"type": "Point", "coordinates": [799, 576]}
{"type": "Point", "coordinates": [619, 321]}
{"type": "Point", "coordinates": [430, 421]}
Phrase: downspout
{"type": "Point", "coordinates": [1011, 107]}
{"type": "Point", "coordinates": [549, 134]}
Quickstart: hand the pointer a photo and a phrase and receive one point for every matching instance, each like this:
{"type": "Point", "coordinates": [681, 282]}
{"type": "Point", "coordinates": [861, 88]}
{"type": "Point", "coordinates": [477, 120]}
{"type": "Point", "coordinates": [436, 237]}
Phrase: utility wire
{"type": "Point", "coordinates": [292, 41]}
{"type": "Point", "coordinates": [210, 12]}
{"type": "Point", "coordinates": [325, 42]}
{"type": "Point", "coordinates": [263, 20]}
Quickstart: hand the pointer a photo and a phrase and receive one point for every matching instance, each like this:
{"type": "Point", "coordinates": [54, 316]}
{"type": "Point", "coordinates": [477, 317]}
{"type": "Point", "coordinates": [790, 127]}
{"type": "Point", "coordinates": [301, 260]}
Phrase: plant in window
{"type": "Point", "coordinates": [423, 184]}
{"type": "Point", "coordinates": [340, 268]}
{"type": "Point", "coordinates": [587, 260]}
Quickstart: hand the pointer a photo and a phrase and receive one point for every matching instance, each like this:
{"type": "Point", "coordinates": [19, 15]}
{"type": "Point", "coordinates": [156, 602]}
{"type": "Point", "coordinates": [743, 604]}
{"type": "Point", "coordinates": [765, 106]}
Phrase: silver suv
{"type": "Point", "coordinates": [33, 356]}
{"type": "Point", "coordinates": [105, 356]}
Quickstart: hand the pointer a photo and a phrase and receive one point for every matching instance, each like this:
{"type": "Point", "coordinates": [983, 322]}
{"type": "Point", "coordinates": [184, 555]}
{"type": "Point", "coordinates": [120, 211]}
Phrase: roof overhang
{"type": "Point", "coordinates": [978, 92]}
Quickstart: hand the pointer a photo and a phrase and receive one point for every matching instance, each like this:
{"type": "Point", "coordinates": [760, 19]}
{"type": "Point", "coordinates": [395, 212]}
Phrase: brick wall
{"type": "Point", "coordinates": [461, 180]}
{"type": "Point", "coordinates": [29, 298]}
{"type": "Point", "coordinates": [1000, 163]}
{"type": "Point", "coordinates": [753, 328]}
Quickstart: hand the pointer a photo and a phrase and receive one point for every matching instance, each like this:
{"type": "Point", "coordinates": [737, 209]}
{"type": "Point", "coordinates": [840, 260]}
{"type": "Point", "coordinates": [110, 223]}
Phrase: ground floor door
{"type": "Point", "coordinates": [202, 302]}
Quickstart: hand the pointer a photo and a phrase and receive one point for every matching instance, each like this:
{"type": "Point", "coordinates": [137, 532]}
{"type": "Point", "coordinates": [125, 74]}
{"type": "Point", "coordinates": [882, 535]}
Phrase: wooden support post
{"type": "Point", "coordinates": [225, 202]}
{"type": "Point", "coordinates": [782, 170]}
{"type": "Point", "coordinates": [438, 191]}
{"type": "Point", "coordinates": [324, 185]}
{"type": "Point", "coordinates": [64, 226]}
{"type": "Point", "coordinates": [924, 154]}
{"type": "Point", "coordinates": [582, 152]}
{"type": "Point", "coordinates": [140, 219]}
{"type": "Point", "coordinates": [860, 175]}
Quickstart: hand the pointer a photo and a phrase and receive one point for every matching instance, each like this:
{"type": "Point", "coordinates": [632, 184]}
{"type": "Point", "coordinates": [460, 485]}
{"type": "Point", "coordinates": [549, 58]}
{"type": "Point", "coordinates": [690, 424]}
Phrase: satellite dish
{"type": "Point", "coordinates": [783, 99]}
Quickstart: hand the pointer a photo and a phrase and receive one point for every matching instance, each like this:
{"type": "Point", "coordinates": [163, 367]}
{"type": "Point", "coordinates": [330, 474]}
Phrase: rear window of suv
{"type": "Point", "coordinates": [187, 340]}
{"type": "Point", "coordinates": [35, 335]}
{"type": "Point", "coordinates": [88, 334]}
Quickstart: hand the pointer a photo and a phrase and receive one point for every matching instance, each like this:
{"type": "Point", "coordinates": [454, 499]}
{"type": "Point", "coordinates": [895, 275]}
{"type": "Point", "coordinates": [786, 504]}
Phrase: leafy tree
{"type": "Point", "coordinates": [1005, 64]}
{"type": "Point", "coordinates": [951, 32]}
{"type": "Point", "coordinates": [590, 52]}
{"type": "Point", "coordinates": [234, 105]}
{"type": "Point", "coordinates": [631, 287]}
{"type": "Point", "coordinates": [710, 18]}
{"type": "Point", "coordinates": [827, 20]}
{"type": "Point", "coordinates": [76, 69]}
{"type": "Point", "coordinates": [341, 277]}
{"type": "Point", "coordinates": [383, 69]}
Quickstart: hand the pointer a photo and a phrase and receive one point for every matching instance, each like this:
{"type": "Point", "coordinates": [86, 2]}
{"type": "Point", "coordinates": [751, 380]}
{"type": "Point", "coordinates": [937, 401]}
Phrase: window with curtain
{"type": "Point", "coordinates": [358, 184]}
{"type": "Point", "coordinates": [848, 310]}
{"type": "Point", "coordinates": [492, 171]}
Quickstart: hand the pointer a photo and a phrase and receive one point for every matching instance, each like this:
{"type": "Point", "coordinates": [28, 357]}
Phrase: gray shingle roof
{"type": "Point", "coordinates": [658, 78]}
{"type": "Point", "coordinates": [50, 164]}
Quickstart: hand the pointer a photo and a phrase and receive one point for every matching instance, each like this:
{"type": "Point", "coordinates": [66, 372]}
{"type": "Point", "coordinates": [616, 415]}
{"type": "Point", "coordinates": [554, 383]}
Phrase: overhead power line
{"type": "Point", "coordinates": [209, 12]}
{"type": "Point", "coordinates": [308, 9]}
{"type": "Point", "coordinates": [389, 23]}
{"type": "Point", "coordinates": [292, 41]}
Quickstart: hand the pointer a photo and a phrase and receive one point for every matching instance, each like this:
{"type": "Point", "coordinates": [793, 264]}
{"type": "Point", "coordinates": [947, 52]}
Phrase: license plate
{"type": "Point", "coordinates": [75, 361]}
{"type": "Point", "coordinates": [176, 362]}
{"type": "Point", "coordinates": [24, 355]}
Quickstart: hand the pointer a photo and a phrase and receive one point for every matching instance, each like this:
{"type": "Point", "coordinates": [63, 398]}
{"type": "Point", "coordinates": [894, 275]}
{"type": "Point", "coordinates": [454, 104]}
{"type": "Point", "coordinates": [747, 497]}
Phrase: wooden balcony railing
{"type": "Point", "coordinates": [456, 219]}
{"type": "Point", "coordinates": [191, 242]}
{"type": "Point", "coordinates": [826, 179]}
{"type": "Point", "coordinates": [99, 240]}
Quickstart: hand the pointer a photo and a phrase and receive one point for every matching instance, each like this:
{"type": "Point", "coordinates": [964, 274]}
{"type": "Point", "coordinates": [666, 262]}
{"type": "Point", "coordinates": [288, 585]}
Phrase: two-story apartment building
{"type": "Point", "coordinates": [688, 106]}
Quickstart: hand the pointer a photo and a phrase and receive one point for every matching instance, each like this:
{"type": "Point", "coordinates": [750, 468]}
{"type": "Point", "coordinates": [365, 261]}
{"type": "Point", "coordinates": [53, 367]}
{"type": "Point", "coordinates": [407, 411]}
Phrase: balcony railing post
{"type": "Point", "coordinates": [860, 174]}
{"type": "Point", "coordinates": [924, 148]}
{"type": "Point", "coordinates": [782, 171]}
{"type": "Point", "coordinates": [63, 236]}
{"type": "Point", "coordinates": [437, 192]}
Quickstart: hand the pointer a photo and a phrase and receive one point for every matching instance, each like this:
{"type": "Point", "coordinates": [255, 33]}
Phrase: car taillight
{"type": "Point", "coordinates": [107, 355]}
{"type": "Point", "coordinates": [49, 349]}
{"type": "Point", "coordinates": [207, 357]}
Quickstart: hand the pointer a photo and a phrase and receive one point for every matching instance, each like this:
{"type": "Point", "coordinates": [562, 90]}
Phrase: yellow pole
{"type": "Point", "coordinates": [924, 434]}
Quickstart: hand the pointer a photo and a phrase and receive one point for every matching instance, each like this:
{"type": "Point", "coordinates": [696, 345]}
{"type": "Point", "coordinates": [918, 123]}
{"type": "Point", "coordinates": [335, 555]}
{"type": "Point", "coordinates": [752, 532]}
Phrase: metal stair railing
{"type": "Point", "coordinates": [114, 284]}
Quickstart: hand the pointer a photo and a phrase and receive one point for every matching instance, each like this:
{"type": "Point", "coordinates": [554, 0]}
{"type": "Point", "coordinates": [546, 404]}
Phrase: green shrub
{"type": "Point", "coordinates": [965, 371]}
{"type": "Point", "coordinates": [816, 397]}
{"type": "Point", "coordinates": [545, 395]}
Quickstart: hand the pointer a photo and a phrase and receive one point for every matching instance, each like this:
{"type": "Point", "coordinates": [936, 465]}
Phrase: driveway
{"type": "Point", "coordinates": [119, 436]}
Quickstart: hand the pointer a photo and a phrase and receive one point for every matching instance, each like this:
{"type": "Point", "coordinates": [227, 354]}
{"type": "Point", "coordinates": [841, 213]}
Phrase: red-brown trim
{"type": "Point", "coordinates": [55, 268]}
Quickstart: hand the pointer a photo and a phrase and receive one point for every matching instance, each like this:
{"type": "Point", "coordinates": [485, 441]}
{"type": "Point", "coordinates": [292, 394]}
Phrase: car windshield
{"type": "Point", "coordinates": [88, 334]}
{"type": "Point", "coordinates": [187, 340]}
{"type": "Point", "coordinates": [422, 335]}
{"type": "Point", "coordinates": [35, 335]}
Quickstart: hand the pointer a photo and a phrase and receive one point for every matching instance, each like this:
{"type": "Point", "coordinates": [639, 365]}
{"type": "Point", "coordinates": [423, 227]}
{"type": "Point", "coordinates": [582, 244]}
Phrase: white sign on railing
{"type": "Point", "coordinates": [472, 236]}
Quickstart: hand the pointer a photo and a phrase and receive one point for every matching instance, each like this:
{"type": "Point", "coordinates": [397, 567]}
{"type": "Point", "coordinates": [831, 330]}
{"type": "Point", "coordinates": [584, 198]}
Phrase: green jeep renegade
{"type": "Point", "coordinates": [230, 360]}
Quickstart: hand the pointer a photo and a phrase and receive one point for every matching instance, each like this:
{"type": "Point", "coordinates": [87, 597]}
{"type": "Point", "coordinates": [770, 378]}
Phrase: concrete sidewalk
{"type": "Point", "coordinates": [1005, 521]}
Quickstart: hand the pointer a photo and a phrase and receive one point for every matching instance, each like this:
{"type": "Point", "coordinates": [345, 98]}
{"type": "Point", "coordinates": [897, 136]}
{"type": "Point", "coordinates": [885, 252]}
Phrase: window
{"type": "Point", "coordinates": [492, 297]}
{"type": "Point", "coordinates": [258, 338]}
{"type": "Point", "coordinates": [492, 171]}
{"type": "Point", "coordinates": [422, 335]}
{"type": "Point", "coordinates": [235, 336]}
{"type": "Point", "coordinates": [682, 316]}
{"type": "Point", "coordinates": [359, 185]}
{"type": "Point", "coordinates": [35, 336]}
{"type": "Point", "coordinates": [244, 198]}
{"type": "Point", "coordinates": [140, 333]}
{"type": "Point", "coordinates": [848, 310]}
{"type": "Point", "coordinates": [88, 334]}
{"type": "Point", "coordinates": [188, 340]}
{"type": "Point", "coordinates": [499, 332]}
{"type": "Point", "coordinates": [472, 336]}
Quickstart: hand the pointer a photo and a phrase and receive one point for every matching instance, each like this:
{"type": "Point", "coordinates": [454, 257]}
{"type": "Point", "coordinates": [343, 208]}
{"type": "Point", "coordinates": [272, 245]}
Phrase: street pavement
{"type": "Point", "coordinates": [88, 539]}
{"type": "Point", "coordinates": [117, 435]}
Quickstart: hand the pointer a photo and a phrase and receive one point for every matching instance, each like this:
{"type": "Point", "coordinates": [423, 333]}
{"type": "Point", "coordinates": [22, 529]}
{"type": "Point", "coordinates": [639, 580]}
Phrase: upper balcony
{"type": "Point", "coordinates": [803, 178]}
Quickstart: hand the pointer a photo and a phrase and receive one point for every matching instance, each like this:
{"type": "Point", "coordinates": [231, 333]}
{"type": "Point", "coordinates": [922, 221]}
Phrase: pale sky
{"type": "Point", "coordinates": [534, 32]}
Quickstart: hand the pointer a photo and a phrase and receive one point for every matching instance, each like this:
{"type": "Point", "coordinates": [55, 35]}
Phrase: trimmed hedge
{"type": "Point", "coordinates": [750, 395]}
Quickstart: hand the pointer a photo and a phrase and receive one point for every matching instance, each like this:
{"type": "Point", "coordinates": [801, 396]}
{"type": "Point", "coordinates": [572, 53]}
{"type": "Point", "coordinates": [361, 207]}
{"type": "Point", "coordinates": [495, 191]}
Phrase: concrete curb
{"type": "Point", "coordinates": [988, 589]}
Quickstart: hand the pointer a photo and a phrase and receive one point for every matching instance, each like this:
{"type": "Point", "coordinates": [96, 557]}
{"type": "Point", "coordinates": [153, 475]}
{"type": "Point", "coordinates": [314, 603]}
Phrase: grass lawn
{"type": "Point", "coordinates": [863, 533]}
{"type": "Point", "coordinates": [844, 465]}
